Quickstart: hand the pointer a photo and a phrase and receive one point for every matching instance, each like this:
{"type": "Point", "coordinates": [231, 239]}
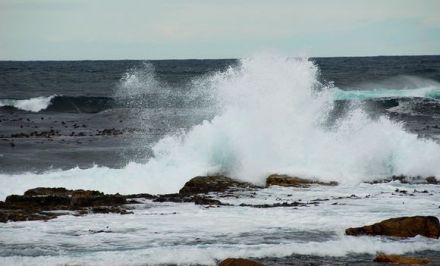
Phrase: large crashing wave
{"type": "Point", "coordinates": [271, 119]}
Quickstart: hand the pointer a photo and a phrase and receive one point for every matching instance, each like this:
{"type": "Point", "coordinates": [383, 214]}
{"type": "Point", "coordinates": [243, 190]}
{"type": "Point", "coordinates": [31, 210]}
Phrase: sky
{"type": "Point", "coordinates": [180, 29]}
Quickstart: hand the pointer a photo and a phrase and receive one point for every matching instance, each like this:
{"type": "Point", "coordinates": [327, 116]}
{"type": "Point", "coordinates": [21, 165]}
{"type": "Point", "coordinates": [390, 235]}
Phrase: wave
{"type": "Point", "coordinates": [395, 87]}
{"type": "Point", "coordinates": [426, 92]}
{"type": "Point", "coordinates": [271, 118]}
{"type": "Point", "coordinates": [32, 105]}
{"type": "Point", "coordinates": [55, 103]}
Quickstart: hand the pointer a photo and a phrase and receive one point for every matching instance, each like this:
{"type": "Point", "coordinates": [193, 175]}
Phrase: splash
{"type": "Point", "coordinates": [271, 114]}
{"type": "Point", "coordinates": [273, 109]}
{"type": "Point", "coordinates": [32, 105]}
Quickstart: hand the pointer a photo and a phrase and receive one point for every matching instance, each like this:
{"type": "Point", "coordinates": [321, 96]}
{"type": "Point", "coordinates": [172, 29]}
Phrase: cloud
{"type": "Point", "coordinates": [199, 28]}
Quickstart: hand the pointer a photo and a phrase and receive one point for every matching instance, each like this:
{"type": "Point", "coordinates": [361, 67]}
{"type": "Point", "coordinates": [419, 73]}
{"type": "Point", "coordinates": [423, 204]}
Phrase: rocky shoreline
{"type": "Point", "coordinates": [49, 203]}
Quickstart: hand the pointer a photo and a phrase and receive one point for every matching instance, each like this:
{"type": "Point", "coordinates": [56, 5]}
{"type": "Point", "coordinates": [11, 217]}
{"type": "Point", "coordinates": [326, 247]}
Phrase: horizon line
{"type": "Point", "coordinates": [224, 58]}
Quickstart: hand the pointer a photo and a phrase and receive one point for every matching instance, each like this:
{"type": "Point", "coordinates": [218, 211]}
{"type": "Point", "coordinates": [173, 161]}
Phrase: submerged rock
{"type": "Point", "coordinates": [37, 204]}
{"type": "Point", "coordinates": [408, 180]}
{"type": "Point", "coordinates": [180, 198]}
{"type": "Point", "coordinates": [239, 262]}
{"type": "Point", "coordinates": [289, 181]}
{"type": "Point", "coordinates": [218, 183]}
{"type": "Point", "coordinates": [427, 226]}
{"type": "Point", "coordinates": [395, 259]}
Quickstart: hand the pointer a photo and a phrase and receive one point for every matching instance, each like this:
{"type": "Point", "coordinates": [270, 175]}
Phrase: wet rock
{"type": "Point", "coordinates": [140, 195]}
{"type": "Point", "coordinates": [427, 226]}
{"type": "Point", "coordinates": [36, 204]}
{"type": "Point", "coordinates": [395, 259]}
{"type": "Point", "coordinates": [45, 191]}
{"type": "Point", "coordinates": [43, 134]}
{"type": "Point", "coordinates": [275, 205]}
{"type": "Point", "coordinates": [49, 202]}
{"type": "Point", "coordinates": [218, 183]}
{"type": "Point", "coordinates": [289, 181]}
{"type": "Point", "coordinates": [408, 180]}
{"type": "Point", "coordinates": [109, 132]}
{"type": "Point", "coordinates": [432, 180]}
{"type": "Point", "coordinates": [239, 262]}
{"type": "Point", "coordinates": [23, 215]}
{"type": "Point", "coordinates": [180, 198]}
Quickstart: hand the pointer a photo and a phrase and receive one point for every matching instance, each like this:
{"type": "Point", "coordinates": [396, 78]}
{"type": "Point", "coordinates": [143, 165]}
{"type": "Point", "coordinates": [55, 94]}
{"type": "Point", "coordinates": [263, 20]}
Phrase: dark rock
{"type": "Point", "coordinates": [427, 226]}
{"type": "Point", "coordinates": [44, 191]}
{"type": "Point", "coordinates": [239, 262]}
{"type": "Point", "coordinates": [206, 184]}
{"type": "Point", "coordinates": [24, 215]}
{"type": "Point", "coordinates": [432, 180]}
{"type": "Point", "coordinates": [275, 205]}
{"type": "Point", "coordinates": [289, 181]}
{"type": "Point", "coordinates": [140, 195]}
{"type": "Point", "coordinates": [395, 259]}
{"type": "Point", "coordinates": [38, 202]}
{"type": "Point", "coordinates": [407, 180]}
{"type": "Point", "coordinates": [35, 203]}
{"type": "Point", "coordinates": [180, 198]}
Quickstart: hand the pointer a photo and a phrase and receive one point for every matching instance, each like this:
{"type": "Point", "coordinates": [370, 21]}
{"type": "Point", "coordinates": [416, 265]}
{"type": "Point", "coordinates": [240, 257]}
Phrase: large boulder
{"type": "Point", "coordinates": [239, 262]}
{"type": "Point", "coordinates": [291, 181]}
{"type": "Point", "coordinates": [427, 226]}
{"type": "Point", "coordinates": [218, 183]}
{"type": "Point", "coordinates": [395, 259]}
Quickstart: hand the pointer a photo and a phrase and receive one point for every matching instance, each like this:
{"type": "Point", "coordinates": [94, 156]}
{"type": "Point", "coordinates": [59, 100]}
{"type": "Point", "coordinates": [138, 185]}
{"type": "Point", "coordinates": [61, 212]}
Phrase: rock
{"type": "Point", "coordinates": [239, 262]}
{"type": "Point", "coordinates": [408, 180]}
{"type": "Point", "coordinates": [427, 226]}
{"type": "Point", "coordinates": [289, 181]}
{"type": "Point", "coordinates": [395, 259]}
{"type": "Point", "coordinates": [44, 191]}
{"type": "Point", "coordinates": [206, 184]}
{"type": "Point", "coordinates": [179, 198]}
{"type": "Point", "coordinates": [140, 195]}
{"type": "Point", "coordinates": [432, 180]}
{"type": "Point", "coordinates": [101, 200]}
{"type": "Point", "coordinates": [23, 215]}
{"type": "Point", "coordinates": [36, 203]}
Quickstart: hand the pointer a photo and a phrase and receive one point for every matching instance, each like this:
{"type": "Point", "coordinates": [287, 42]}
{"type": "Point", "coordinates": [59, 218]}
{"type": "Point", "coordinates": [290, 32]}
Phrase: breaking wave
{"type": "Point", "coordinates": [32, 105]}
{"type": "Point", "coordinates": [272, 118]}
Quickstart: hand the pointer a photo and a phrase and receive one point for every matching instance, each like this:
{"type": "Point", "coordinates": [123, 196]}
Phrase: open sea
{"type": "Point", "coordinates": [149, 126]}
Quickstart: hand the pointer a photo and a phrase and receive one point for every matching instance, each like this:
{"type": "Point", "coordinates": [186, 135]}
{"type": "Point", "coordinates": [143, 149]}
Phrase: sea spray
{"type": "Point", "coordinates": [271, 114]}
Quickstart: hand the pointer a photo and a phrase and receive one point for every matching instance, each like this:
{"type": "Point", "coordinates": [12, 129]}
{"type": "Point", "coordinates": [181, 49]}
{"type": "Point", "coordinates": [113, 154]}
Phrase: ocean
{"type": "Point", "coordinates": [149, 126]}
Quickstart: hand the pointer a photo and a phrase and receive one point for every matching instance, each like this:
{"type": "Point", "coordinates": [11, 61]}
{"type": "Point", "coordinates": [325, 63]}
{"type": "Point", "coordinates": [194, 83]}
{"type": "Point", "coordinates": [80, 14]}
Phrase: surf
{"type": "Point", "coordinates": [271, 117]}
{"type": "Point", "coordinates": [35, 104]}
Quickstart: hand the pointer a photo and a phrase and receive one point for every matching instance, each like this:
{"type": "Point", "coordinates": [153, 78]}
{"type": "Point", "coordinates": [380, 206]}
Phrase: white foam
{"type": "Point", "coordinates": [33, 104]}
{"type": "Point", "coordinates": [184, 233]}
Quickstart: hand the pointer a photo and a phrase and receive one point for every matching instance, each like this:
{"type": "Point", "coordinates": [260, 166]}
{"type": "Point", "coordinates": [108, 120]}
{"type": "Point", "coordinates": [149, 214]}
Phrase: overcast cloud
{"type": "Point", "coordinates": [136, 29]}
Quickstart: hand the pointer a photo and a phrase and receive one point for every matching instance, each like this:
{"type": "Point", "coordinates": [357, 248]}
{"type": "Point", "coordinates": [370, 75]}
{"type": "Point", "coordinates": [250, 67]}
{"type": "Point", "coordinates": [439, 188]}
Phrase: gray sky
{"type": "Point", "coordinates": [162, 29]}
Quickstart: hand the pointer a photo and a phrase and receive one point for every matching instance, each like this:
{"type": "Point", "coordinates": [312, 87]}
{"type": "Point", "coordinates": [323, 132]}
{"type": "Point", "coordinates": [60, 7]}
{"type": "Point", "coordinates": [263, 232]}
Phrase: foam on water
{"type": "Point", "coordinates": [271, 119]}
{"type": "Point", "coordinates": [184, 233]}
{"type": "Point", "coordinates": [32, 105]}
